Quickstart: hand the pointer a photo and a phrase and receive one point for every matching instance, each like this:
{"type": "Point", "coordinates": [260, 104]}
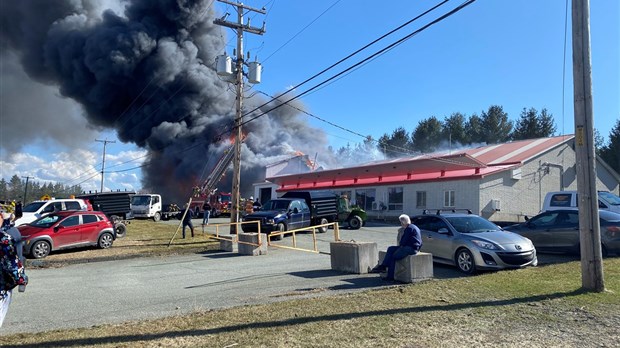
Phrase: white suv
{"type": "Point", "coordinates": [37, 209]}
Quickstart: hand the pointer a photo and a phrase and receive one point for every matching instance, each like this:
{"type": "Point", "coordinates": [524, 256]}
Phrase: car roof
{"type": "Point", "coordinates": [447, 215]}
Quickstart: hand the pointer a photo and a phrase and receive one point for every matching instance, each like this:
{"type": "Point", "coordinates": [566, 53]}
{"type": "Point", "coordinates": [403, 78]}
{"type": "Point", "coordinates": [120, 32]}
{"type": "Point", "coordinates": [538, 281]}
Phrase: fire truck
{"type": "Point", "coordinates": [220, 201]}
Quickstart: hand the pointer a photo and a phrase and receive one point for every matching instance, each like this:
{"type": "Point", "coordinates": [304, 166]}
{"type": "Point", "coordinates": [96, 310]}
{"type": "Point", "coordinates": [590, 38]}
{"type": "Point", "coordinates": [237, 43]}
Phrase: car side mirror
{"type": "Point", "coordinates": [443, 230]}
{"type": "Point", "coordinates": [295, 211]}
{"type": "Point", "coordinates": [57, 228]}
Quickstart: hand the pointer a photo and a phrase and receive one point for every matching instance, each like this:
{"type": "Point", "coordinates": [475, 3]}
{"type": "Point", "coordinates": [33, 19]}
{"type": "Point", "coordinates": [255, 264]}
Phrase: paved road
{"type": "Point", "coordinates": [115, 291]}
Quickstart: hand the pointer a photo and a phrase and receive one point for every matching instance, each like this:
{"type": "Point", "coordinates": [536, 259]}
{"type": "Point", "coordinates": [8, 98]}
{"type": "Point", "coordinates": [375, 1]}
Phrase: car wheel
{"type": "Point", "coordinates": [465, 261]}
{"type": "Point", "coordinates": [280, 228]}
{"type": "Point", "coordinates": [324, 228]}
{"type": "Point", "coordinates": [105, 240]}
{"type": "Point", "coordinates": [40, 249]}
{"type": "Point", "coordinates": [157, 217]}
{"type": "Point", "coordinates": [355, 222]}
{"type": "Point", "coordinates": [121, 230]}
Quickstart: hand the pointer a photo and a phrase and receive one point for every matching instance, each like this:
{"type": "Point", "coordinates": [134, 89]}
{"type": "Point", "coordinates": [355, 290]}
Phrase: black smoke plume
{"type": "Point", "coordinates": [146, 70]}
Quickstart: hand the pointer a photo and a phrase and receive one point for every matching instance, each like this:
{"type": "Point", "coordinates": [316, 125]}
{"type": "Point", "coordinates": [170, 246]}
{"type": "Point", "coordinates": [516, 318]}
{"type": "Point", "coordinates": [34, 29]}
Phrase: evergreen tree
{"type": "Point", "coordinates": [473, 130]}
{"type": "Point", "coordinates": [496, 127]}
{"type": "Point", "coordinates": [16, 188]}
{"type": "Point", "coordinates": [611, 152]}
{"type": "Point", "coordinates": [427, 135]}
{"type": "Point", "coordinates": [4, 189]}
{"type": "Point", "coordinates": [532, 125]}
{"type": "Point", "coordinates": [453, 129]}
{"type": "Point", "coordinates": [396, 145]}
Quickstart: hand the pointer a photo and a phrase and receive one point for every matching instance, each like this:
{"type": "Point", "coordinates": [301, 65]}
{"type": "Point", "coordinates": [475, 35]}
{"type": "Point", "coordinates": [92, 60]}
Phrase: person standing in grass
{"type": "Point", "coordinates": [187, 221]}
{"type": "Point", "coordinates": [409, 244]}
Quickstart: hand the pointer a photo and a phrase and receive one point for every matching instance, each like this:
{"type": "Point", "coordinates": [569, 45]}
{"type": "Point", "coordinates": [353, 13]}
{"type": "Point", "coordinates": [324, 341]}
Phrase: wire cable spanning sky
{"type": "Point", "coordinates": [495, 53]}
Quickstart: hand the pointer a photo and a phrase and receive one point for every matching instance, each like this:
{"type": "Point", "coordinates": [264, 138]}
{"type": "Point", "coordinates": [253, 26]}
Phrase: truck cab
{"type": "Point", "coordinates": [281, 214]}
{"type": "Point", "coordinates": [147, 206]}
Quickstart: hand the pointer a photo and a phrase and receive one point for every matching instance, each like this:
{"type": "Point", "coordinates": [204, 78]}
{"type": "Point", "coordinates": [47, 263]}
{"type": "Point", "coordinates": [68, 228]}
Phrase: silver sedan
{"type": "Point", "coordinates": [472, 243]}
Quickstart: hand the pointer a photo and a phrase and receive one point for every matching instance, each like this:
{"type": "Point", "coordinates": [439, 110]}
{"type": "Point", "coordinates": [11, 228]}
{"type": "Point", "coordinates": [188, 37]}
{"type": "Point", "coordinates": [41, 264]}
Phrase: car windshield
{"type": "Point", "coordinates": [472, 224]}
{"type": "Point", "coordinates": [276, 204]}
{"type": "Point", "coordinates": [609, 198]}
{"type": "Point", "coordinates": [32, 207]}
{"type": "Point", "coordinates": [47, 220]}
{"type": "Point", "coordinates": [140, 200]}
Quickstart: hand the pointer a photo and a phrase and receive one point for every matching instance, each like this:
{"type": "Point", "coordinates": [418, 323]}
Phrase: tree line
{"type": "Point", "coordinates": [16, 189]}
{"type": "Point", "coordinates": [492, 126]}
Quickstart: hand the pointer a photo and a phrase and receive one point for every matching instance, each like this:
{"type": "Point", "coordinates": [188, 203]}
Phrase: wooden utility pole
{"type": "Point", "coordinates": [241, 28]}
{"type": "Point", "coordinates": [105, 143]}
{"type": "Point", "coordinates": [589, 226]}
{"type": "Point", "coordinates": [24, 201]}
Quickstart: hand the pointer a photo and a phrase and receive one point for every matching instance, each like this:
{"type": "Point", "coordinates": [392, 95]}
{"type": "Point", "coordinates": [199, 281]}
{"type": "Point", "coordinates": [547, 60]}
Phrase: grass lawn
{"type": "Point", "coordinates": [144, 238]}
{"type": "Point", "coordinates": [533, 307]}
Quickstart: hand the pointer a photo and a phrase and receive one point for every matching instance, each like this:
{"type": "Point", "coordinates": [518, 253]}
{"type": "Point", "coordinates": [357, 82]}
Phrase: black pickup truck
{"type": "Point", "coordinates": [280, 214]}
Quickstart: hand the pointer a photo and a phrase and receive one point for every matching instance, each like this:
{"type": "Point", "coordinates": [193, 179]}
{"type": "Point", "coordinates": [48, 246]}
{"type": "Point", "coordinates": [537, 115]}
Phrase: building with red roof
{"type": "Point", "coordinates": [502, 182]}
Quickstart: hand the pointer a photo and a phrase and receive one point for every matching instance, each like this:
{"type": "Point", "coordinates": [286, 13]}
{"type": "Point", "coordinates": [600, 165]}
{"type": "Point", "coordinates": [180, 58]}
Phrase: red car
{"type": "Point", "coordinates": [67, 229]}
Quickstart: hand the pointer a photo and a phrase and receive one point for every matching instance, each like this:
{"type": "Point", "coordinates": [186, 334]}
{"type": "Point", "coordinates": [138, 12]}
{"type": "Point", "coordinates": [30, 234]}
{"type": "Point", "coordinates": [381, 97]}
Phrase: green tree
{"type": "Point", "coordinates": [16, 188]}
{"type": "Point", "coordinates": [453, 129]}
{"type": "Point", "coordinates": [427, 135]}
{"type": "Point", "coordinates": [473, 130]}
{"type": "Point", "coordinates": [532, 125]}
{"type": "Point", "coordinates": [395, 145]}
{"type": "Point", "coordinates": [610, 153]}
{"type": "Point", "coordinates": [4, 189]}
{"type": "Point", "coordinates": [496, 127]}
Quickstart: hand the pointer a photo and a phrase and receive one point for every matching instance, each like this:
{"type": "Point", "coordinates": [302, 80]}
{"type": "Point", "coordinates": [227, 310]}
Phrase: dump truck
{"type": "Point", "coordinates": [116, 205]}
{"type": "Point", "coordinates": [327, 206]}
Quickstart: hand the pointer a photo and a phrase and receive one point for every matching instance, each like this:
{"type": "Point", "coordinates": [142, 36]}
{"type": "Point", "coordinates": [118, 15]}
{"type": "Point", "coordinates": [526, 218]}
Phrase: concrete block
{"type": "Point", "coordinates": [227, 243]}
{"type": "Point", "coordinates": [353, 257]}
{"type": "Point", "coordinates": [253, 248]}
{"type": "Point", "coordinates": [382, 255]}
{"type": "Point", "coordinates": [414, 267]}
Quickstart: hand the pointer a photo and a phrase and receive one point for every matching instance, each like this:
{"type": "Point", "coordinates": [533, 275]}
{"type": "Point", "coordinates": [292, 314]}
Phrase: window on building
{"type": "Point", "coordinates": [364, 198]}
{"type": "Point", "coordinates": [448, 199]}
{"type": "Point", "coordinates": [420, 199]}
{"type": "Point", "coordinates": [395, 198]}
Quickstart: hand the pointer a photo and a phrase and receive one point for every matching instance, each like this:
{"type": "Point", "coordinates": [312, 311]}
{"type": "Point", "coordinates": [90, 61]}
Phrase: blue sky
{"type": "Point", "coordinates": [507, 53]}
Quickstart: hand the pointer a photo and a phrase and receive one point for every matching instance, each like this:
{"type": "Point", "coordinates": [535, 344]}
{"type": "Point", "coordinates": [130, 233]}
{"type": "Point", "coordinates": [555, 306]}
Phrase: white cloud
{"type": "Point", "coordinates": [78, 167]}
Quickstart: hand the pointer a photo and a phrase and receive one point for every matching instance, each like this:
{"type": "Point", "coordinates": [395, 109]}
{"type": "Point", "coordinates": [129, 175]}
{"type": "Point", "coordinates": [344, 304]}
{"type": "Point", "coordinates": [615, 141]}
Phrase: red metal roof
{"type": "Point", "coordinates": [464, 164]}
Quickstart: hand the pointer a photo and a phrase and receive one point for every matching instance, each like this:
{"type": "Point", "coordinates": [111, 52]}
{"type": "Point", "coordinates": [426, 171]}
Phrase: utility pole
{"type": "Point", "coordinates": [589, 226]}
{"type": "Point", "coordinates": [105, 143]}
{"type": "Point", "coordinates": [26, 188]}
{"type": "Point", "coordinates": [240, 28]}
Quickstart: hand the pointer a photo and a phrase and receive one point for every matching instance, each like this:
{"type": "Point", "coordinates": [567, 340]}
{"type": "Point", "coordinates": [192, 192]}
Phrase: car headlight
{"type": "Point", "coordinates": [270, 221]}
{"type": "Point", "coordinates": [485, 245]}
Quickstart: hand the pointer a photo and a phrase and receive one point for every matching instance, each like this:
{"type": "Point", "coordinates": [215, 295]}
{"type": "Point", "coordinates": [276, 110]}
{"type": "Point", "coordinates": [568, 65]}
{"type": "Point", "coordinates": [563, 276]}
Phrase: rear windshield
{"type": "Point", "coordinates": [276, 205]}
{"type": "Point", "coordinates": [33, 207]}
{"type": "Point", "coordinates": [472, 224]}
{"type": "Point", "coordinates": [560, 200]}
{"type": "Point", "coordinates": [609, 198]}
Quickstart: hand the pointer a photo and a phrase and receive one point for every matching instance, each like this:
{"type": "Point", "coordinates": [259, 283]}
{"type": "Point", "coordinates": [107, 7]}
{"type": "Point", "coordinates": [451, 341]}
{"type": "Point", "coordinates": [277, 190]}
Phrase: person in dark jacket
{"type": "Point", "coordinates": [187, 221]}
{"type": "Point", "coordinates": [409, 244]}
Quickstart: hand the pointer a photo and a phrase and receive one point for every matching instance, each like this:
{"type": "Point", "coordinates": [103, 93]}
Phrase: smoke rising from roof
{"type": "Point", "coordinates": [146, 70]}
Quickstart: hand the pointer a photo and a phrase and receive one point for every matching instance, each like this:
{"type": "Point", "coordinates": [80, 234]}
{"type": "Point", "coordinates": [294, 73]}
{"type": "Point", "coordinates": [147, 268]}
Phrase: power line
{"type": "Point", "coordinates": [350, 55]}
{"type": "Point", "coordinates": [301, 31]}
{"type": "Point", "coordinates": [374, 55]}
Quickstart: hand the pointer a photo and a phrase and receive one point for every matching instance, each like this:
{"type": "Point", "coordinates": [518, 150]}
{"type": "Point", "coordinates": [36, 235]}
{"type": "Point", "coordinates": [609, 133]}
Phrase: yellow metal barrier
{"type": "Point", "coordinates": [305, 229]}
{"type": "Point", "coordinates": [226, 224]}
{"type": "Point", "coordinates": [236, 239]}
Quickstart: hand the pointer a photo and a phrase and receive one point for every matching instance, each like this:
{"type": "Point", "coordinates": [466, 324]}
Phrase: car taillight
{"type": "Point", "coordinates": [613, 231]}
